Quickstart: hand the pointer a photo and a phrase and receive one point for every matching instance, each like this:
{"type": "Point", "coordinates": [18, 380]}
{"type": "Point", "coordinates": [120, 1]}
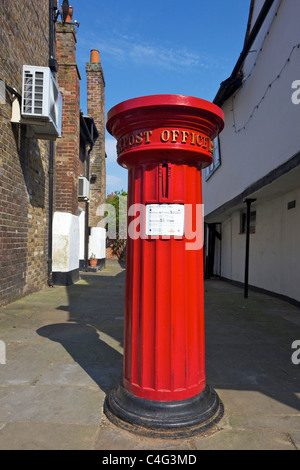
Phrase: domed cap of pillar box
{"type": "Point", "coordinates": [178, 128]}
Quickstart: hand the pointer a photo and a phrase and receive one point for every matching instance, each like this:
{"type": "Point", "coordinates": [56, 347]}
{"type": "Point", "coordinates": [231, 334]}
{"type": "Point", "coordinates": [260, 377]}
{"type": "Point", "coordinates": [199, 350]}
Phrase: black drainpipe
{"type": "Point", "coordinates": [53, 67]}
{"type": "Point", "coordinates": [248, 202]}
{"type": "Point", "coordinates": [50, 229]}
{"type": "Point", "coordinates": [92, 140]}
{"type": "Point", "coordinates": [87, 229]}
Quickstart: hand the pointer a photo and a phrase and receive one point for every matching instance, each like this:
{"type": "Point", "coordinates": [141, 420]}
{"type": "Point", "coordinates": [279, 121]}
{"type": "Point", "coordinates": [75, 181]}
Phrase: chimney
{"type": "Point", "coordinates": [68, 166]}
{"type": "Point", "coordinates": [67, 163]}
{"type": "Point", "coordinates": [96, 110]}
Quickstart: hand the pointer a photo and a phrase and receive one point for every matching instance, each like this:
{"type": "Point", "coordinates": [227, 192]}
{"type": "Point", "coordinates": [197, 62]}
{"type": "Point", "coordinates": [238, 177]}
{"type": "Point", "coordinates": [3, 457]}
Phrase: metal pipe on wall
{"type": "Point", "coordinates": [53, 67]}
{"type": "Point", "coordinates": [246, 281]}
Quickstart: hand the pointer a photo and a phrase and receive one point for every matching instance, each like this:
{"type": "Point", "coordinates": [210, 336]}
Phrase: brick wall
{"type": "Point", "coordinates": [23, 162]}
{"type": "Point", "coordinates": [96, 110]}
{"type": "Point", "coordinates": [68, 166]}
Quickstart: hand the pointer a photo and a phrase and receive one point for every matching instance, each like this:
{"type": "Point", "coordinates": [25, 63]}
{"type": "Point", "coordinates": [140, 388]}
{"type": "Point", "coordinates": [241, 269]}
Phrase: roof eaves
{"type": "Point", "coordinates": [229, 86]}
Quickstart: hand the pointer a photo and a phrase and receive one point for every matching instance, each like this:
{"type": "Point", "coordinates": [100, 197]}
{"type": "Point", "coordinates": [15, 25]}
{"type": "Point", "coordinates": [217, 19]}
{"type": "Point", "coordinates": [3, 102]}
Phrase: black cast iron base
{"type": "Point", "coordinates": [163, 419]}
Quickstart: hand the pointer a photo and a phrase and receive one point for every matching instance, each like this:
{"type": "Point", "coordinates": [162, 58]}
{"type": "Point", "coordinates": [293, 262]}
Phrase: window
{"type": "Point", "coordinates": [243, 222]}
{"type": "Point", "coordinates": [216, 159]}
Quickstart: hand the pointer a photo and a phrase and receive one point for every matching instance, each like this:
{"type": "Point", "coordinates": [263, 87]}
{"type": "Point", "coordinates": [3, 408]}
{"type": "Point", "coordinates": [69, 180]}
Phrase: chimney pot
{"type": "Point", "coordinates": [70, 15]}
{"type": "Point", "coordinates": [95, 57]}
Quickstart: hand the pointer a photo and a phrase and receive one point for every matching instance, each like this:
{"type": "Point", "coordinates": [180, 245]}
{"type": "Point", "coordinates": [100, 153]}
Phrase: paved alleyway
{"type": "Point", "coordinates": [64, 352]}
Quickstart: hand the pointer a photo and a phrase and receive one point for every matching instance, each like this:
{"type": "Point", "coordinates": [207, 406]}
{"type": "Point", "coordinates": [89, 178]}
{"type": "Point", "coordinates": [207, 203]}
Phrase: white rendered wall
{"type": "Point", "coordinates": [274, 247]}
{"type": "Point", "coordinates": [65, 242]}
{"type": "Point", "coordinates": [271, 135]}
{"type": "Point", "coordinates": [97, 242]}
{"type": "Point", "coordinates": [81, 220]}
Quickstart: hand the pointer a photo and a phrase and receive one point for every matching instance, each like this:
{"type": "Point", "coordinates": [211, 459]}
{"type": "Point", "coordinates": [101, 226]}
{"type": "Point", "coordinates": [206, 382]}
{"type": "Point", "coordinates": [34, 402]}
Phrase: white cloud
{"type": "Point", "coordinates": [116, 176]}
{"type": "Point", "coordinates": [164, 57]}
{"type": "Point", "coordinates": [131, 48]}
{"type": "Point", "coordinates": [113, 181]}
{"type": "Point", "coordinates": [110, 149]}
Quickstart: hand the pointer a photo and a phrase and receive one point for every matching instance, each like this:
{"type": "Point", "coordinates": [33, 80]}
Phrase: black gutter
{"type": "Point", "coordinates": [234, 82]}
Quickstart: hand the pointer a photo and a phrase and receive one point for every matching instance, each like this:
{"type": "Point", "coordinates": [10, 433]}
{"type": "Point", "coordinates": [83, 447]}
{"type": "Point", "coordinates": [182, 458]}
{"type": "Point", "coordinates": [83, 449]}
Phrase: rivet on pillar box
{"type": "Point", "coordinates": [164, 141]}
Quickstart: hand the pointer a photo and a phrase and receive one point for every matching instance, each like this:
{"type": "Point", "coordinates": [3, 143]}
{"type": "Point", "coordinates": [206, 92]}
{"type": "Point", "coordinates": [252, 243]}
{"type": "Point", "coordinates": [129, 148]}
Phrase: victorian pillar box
{"type": "Point", "coordinates": [164, 141]}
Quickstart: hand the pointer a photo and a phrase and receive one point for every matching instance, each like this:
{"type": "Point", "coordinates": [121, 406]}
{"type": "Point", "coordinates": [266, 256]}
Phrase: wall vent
{"type": "Point", "coordinates": [291, 205]}
{"type": "Point", "coordinates": [83, 189]}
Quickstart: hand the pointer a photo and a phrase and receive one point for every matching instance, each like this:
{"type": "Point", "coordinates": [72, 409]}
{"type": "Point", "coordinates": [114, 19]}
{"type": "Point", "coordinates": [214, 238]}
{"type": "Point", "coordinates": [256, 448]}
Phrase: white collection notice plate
{"type": "Point", "coordinates": [165, 219]}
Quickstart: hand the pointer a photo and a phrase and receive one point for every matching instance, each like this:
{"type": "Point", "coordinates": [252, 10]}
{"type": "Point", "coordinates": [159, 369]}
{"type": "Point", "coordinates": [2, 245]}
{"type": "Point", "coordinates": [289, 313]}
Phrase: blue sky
{"type": "Point", "coordinates": [163, 46]}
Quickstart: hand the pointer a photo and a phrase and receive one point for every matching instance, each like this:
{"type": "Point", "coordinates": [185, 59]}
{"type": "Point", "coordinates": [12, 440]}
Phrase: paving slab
{"type": "Point", "coordinates": [46, 436]}
{"type": "Point", "coordinates": [64, 352]}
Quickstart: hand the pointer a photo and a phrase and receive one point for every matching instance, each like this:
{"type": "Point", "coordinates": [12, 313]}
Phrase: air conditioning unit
{"type": "Point", "coordinates": [83, 189]}
{"type": "Point", "coordinates": [41, 105]}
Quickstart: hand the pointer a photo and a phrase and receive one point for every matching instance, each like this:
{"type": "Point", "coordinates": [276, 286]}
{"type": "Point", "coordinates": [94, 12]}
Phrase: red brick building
{"type": "Point", "coordinates": [39, 177]}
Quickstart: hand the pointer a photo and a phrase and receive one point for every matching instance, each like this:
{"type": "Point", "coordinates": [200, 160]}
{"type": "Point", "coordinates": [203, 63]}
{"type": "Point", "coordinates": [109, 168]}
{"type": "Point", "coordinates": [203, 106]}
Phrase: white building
{"type": "Point", "coordinates": [258, 157]}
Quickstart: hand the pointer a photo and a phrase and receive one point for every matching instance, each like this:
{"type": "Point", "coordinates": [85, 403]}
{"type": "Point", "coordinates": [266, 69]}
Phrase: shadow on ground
{"type": "Point", "coordinates": [93, 335]}
{"type": "Point", "coordinates": [248, 342]}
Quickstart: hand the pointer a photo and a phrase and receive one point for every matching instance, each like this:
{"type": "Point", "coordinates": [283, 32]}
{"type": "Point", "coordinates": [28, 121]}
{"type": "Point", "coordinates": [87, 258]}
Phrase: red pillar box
{"type": "Point", "coordinates": [164, 141]}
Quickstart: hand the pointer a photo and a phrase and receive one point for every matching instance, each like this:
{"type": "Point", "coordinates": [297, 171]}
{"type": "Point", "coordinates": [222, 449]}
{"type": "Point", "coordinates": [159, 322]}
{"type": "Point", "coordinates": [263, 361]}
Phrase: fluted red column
{"type": "Point", "coordinates": [164, 322]}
